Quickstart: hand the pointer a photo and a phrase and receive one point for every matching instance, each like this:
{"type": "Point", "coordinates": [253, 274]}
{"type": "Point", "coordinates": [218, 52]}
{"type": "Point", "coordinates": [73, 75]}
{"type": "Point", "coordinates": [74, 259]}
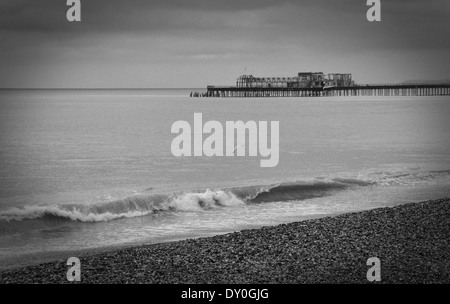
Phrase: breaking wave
{"type": "Point", "coordinates": [141, 205]}
{"type": "Point", "coordinates": [199, 201]}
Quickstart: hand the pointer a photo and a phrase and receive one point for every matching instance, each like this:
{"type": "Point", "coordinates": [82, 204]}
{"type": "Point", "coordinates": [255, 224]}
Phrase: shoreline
{"type": "Point", "coordinates": [40, 257]}
{"type": "Point", "coordinates": [411, 240]}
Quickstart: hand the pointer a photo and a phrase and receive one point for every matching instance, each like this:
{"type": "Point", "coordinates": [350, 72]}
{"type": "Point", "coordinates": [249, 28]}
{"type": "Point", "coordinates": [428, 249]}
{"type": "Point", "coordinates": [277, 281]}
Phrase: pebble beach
{"type": "Point", "coordinates": [411, 240]}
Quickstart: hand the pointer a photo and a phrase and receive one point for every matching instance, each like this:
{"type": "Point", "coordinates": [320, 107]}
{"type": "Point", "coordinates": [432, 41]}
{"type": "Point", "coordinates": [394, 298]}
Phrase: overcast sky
{"type": "Point", "coordinates": [193, 43]}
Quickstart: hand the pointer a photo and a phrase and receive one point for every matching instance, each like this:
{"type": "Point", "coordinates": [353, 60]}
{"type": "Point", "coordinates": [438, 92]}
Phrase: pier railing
{"type": "Point", "coordinates": [391, 89]}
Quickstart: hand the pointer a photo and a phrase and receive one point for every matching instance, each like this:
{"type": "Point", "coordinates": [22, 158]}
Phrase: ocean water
{"type": "Point", "coordinates": [84, 169]}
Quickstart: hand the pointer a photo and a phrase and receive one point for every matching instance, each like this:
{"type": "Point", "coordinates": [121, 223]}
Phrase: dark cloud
{"type": "Point", "coordinates": [174, 37]}
{"type": "Point", "coordinates": [138, 15]}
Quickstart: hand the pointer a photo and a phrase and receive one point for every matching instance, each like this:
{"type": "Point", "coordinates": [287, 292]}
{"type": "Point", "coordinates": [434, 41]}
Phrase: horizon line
{"type": "Point", "coordinates": [100, 88]}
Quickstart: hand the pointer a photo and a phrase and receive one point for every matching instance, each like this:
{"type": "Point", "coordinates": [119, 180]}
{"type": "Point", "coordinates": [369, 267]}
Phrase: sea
{"type": "Point", "coordinates": [93, 169]}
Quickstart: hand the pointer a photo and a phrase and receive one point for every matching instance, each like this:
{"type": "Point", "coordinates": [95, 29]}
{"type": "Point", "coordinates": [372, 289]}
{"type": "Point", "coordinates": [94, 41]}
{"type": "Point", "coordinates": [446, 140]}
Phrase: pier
{"type": "Point", "coordinates": [319, 84]}
{"type": "Point", "coordinates": [355, 90]}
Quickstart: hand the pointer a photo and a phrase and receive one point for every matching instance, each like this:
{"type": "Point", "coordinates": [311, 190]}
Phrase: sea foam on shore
{"type": "Point", "coordinates": [412, 242]}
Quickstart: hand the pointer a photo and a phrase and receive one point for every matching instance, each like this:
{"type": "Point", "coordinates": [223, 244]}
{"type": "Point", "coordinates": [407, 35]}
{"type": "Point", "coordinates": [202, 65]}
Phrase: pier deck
{"type": "Point", "coordinates": [357, 90]}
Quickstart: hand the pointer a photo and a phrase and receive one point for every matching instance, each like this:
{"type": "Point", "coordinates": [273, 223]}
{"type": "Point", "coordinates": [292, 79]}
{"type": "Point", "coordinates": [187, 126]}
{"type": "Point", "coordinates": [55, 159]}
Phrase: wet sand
{"type": "Point", "coordinates": [412, 242]}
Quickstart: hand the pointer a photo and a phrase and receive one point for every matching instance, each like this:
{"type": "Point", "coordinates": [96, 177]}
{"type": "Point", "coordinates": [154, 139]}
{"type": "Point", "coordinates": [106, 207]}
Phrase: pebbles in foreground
{"type": "Point", "coordinates": [412, 242]}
